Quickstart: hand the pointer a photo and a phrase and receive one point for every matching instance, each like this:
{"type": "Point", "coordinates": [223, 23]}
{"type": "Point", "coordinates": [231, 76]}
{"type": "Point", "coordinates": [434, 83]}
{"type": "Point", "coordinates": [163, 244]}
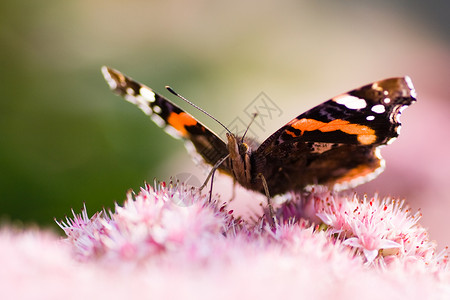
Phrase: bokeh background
{"type": "Point", "coordinates": [66, 139]}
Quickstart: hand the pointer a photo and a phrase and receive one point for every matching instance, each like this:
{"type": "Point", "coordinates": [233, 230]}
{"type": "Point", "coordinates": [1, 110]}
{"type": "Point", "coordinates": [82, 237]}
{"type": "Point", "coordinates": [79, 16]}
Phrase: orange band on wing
{"type": "Point", "coordinates": [359, 171]}
{"type": "Point", "coordinates": [291, 133]}
{"type": "Point", "coordinates": [179, 121]}
{"type": "Point", "coordinates": [365, 134]}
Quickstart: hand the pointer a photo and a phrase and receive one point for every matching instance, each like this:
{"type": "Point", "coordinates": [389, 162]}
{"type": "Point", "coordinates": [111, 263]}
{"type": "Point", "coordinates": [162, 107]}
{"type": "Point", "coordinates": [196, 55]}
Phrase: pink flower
{"type": "Point", "coordinates": [378, 227]}
{"type": "Point", "coordinates": [370, 239]}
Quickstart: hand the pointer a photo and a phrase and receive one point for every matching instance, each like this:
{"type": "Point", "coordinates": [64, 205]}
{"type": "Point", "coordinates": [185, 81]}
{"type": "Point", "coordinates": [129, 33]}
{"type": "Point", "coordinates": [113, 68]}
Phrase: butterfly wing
{"type": "Point", "coordinates": [175, 121]}
{"type": "Point", "coordinates": [337, 142]}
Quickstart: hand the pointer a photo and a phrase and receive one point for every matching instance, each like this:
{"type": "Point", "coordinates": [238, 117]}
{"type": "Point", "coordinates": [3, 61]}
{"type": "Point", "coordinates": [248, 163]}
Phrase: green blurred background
{"type": "Point", "coordinates": [66, 139]}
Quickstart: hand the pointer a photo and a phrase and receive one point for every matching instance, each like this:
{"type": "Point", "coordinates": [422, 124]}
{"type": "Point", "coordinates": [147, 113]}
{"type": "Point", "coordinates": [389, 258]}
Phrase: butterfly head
{"type": "Point", "coordinates": [236, 147]}
{"type": "Point", "coordinates": [239, 159]}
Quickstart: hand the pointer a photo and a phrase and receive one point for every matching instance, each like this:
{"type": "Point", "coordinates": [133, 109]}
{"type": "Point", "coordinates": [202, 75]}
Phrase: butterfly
{"type": "Point", "coordinates": [335, 144]}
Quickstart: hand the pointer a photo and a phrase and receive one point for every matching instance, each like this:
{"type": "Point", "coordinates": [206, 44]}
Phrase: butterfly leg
{"type": "Point", "coordinates": [273, 218]}
{"type": "Point", "coordinates": [233, 193]}
{"type": "Point", "coordinates": [212, 182]}
{"type": "Point", "coordinates": [211, 175]}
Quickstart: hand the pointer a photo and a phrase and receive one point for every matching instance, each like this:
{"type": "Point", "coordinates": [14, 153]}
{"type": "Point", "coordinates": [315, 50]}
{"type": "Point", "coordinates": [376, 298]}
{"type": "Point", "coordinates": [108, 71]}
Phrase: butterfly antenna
{"type": "Point", "coordinates": [248, 127]}
{"type": "Point", "coordinates": [200, 109]}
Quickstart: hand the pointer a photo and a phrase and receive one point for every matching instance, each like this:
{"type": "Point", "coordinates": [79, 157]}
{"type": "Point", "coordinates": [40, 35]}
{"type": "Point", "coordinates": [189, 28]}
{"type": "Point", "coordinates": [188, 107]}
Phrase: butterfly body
{"type": "Point", "coordinates": [335, 144]}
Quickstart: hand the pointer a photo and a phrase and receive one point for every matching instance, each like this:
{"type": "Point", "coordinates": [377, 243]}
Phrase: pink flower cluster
{"type": "Point", "coordinates": [383, 230]}
{"type": "Point", "coordinates": [160, 222]}
{"type": "Point", "coordinates": [172, 223]}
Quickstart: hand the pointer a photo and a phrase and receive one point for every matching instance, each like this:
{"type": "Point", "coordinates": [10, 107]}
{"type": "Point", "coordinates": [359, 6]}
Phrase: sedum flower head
{"type": "Point", "coordinates": [379, 228]}
{"type": "Point", "coordinates": [158, 220]}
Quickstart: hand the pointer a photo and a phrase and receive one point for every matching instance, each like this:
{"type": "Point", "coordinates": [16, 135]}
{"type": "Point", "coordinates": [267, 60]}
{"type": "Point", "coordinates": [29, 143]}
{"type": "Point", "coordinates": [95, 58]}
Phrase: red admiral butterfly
{"type": "Point", "coordinates": [335, 144]}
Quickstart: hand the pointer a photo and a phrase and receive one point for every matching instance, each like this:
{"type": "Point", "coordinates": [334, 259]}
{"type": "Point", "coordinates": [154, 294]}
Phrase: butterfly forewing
{"type": "Point", "coordinates": [169, 116]}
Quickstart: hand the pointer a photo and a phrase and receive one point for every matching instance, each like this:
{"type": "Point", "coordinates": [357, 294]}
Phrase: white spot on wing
{"type": "Point", "coordinates": [411, 86]}
{"type": "Point", "coordinates": [130, 91]}
{"type": "Point", "coordinates": [387, 100]}
{"type": "Point", "coordinates": [131, 99]}
{"type": "Point", "coordinates": [379, 108]}
{"type": "Point", "coordinates": [157, 109]}
{"type": "Point", "coordinates": [172, 131]}
{"type": "Point", "coordinates": [375, 86]}
{"type": "Point", "coordinates": [391, 140]}
{"type": "Point", "coordinates": [147, 93]}
{"type": "Point", "coordinates": [158, 120]}
{"type": "Point", "coordinates": [350, 102]}
{"type": "Point", "coordinates": [397, 116]}
{"type": "Point", "coordinates": [370, 118]}
{"type": "Point", "coordinates": [111, 82]}
{"type": "Point", "coordinates": [140, 102]}
{"type": "Point", "coordinates": [146, 109]}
